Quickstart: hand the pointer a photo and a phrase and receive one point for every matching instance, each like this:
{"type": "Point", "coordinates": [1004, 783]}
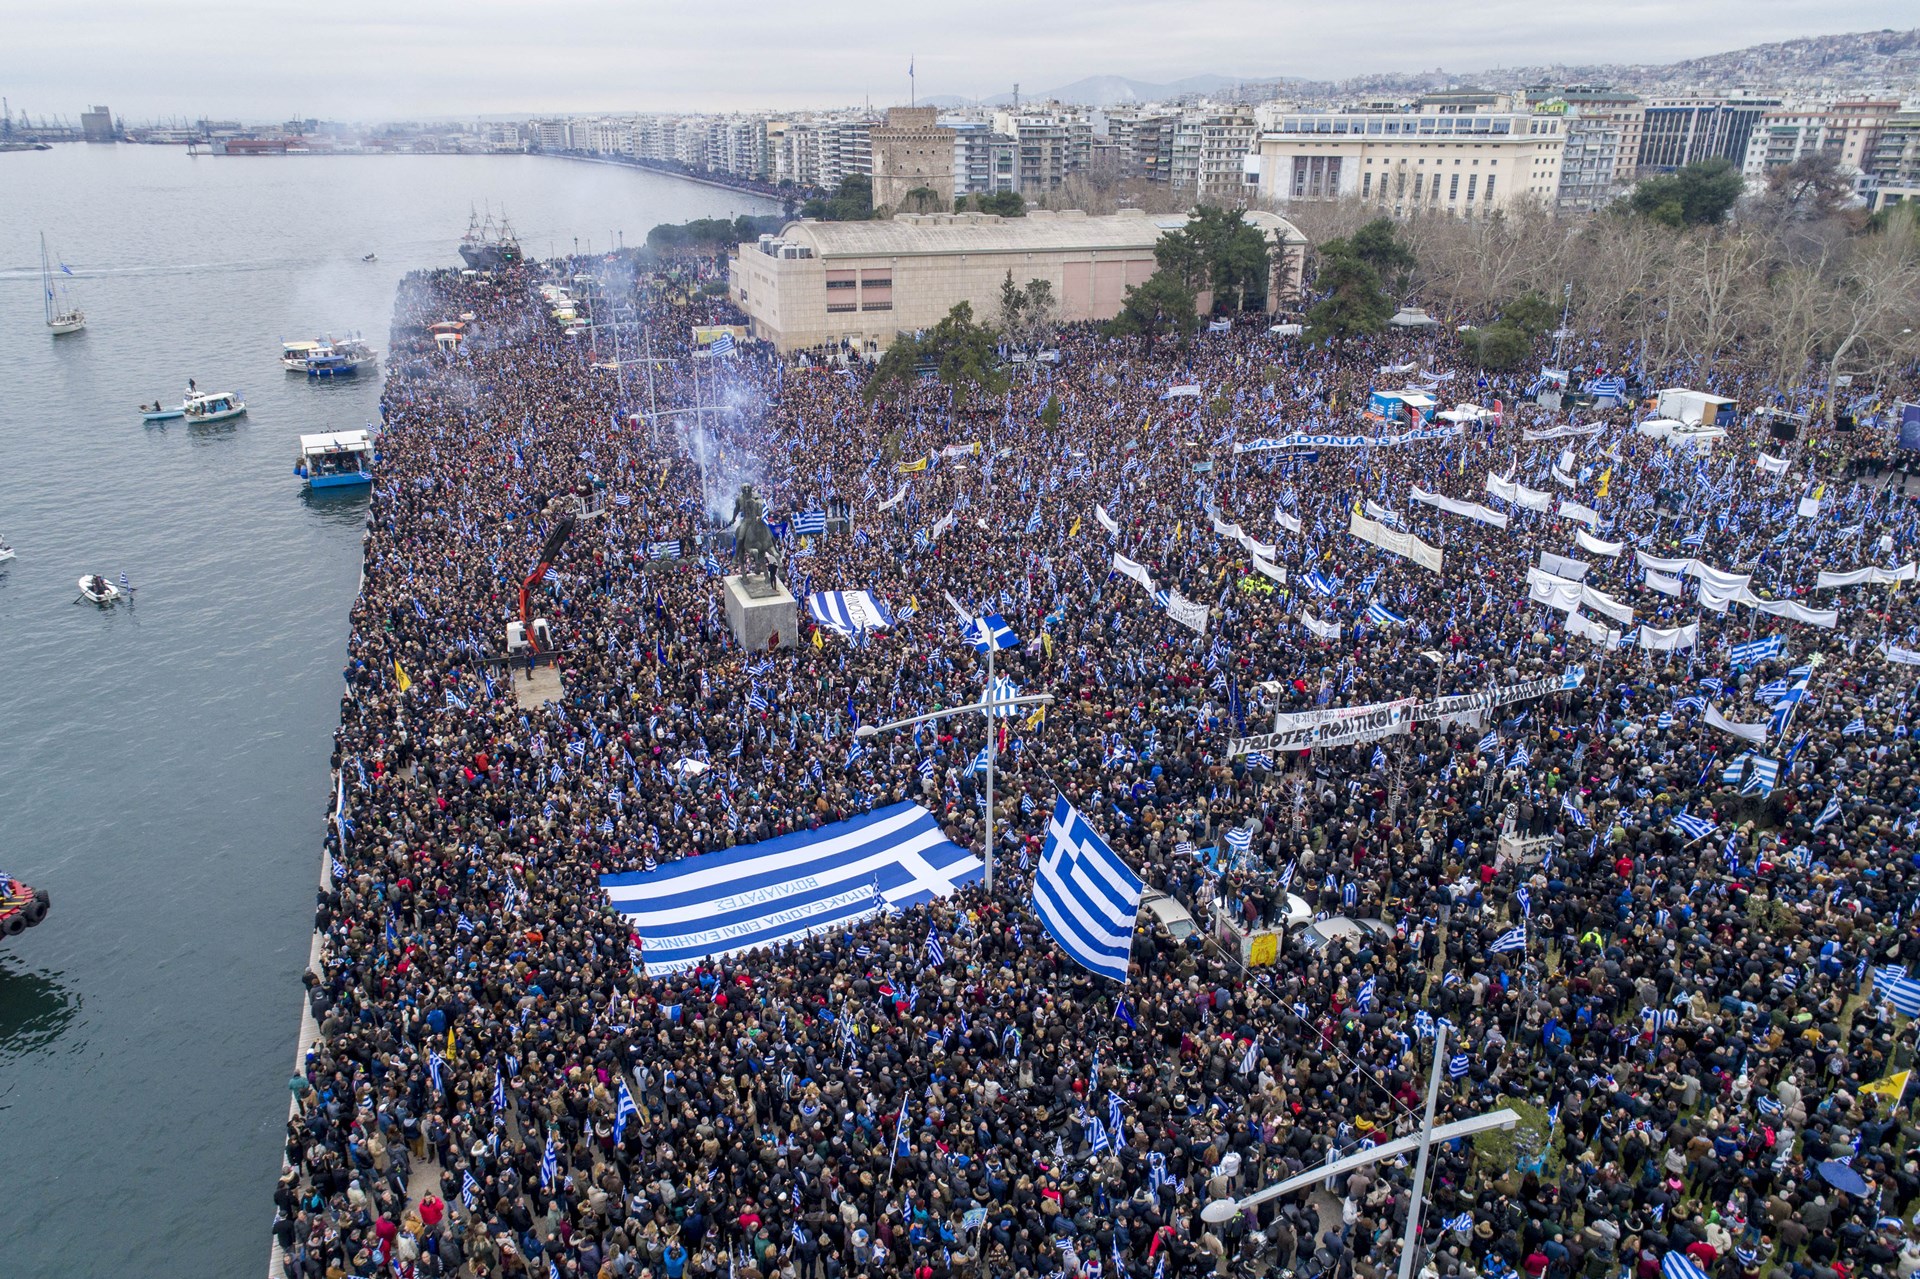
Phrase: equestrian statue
{"type": "Point", "coordinates": [752, 534]}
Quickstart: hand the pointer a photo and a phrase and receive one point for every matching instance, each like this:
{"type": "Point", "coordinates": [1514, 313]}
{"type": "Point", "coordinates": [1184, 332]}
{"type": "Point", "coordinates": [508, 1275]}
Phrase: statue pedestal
{"type": "Point", "coordinates": [758, 619]}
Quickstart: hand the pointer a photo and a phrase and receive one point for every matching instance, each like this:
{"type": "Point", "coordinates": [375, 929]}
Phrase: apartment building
{"type": "Point", "coordinates": [1226, 140]}
{"type": "Point", "coordinates": [1683, 131]}
{"type": "Point", "coordinates": [1894, 166]}
{"type": "Point", "coordinates": [983, 161]}
{"type": "Point", "coordinates": [1464, 162]}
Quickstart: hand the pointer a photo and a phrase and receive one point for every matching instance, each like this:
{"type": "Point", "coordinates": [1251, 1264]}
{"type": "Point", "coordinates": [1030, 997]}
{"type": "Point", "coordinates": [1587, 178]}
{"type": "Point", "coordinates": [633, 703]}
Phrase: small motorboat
{"type": "Point", "coordinates": [96, 589]}
{"type": "Point", "coordinates": [370, 257]}
{"type": "Point", "coordinates": [216, 406]}
{"type": "Point", "coordinates": [6, 552]}
{"type": "Point", "coordinates": [21, 906]}
{"type": "Point", "coordinates": [158, 412]}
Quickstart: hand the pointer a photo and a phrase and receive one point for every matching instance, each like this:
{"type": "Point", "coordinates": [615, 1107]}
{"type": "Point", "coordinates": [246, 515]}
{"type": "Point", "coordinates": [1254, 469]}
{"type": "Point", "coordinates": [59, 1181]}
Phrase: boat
{"type": "Point", "coordinates": [370, 257]}
{"type": "Point", "coordinates": [62, 315]}
{"type": "Point", "coordinates": [6, 552]}
{"type": "Point", "coordinates": [160, 413]}
{"type": "Point", "coordinates": [96, 589]}
{"type": "Point", "coordinates": [294, 355]}
{"type": "Point", "coordinates": [21, 906]}
{"type": "Point", "coordinates": [330, 362]}
{"type": "Point", "coordinates": [214, 406]}
{"type": "Point", "coordinates": [338, 459]}
{"type": "Point", "coordinates": [487, 247]}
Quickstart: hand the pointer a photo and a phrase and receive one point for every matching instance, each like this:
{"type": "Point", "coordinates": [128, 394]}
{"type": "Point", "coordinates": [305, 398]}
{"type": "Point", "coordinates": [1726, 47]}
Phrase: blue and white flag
{"type": "Point", "coordinates": [549, 1163]}
{"type": "Point", "coordinates": [1902, 992]}
{"type": "Point", "coordinates": [1757, 651]}
{"type": "Point", "coordinates": [1694, 827]}
{"type": "Point", "coordinates": [1458, 1065]}
{"type": "Point", "coordinates": [1525, 898]}
{"type": "Point", "coordinates": [1462, 1223]}
{"type": "Point", "coordinates": [988, 630]}
{"type": "Point", "coordinates": [1678, 1265]}
{"type": "Point", "coordinates": [1511, 940]}
{"type": "Point", "coordinates": [1085, 895]}
{"type": "Point", "coordinates": [1762, 776]}
{"type": "Point", "coordinates": [848, 612]}
{"type": "Point", "coordinates": [1827, 814]}
{"type": "Point", "coordinates": [626, 1109]}
{"type": "Point", "coordinates": [722, 345]}
{"type": "Point", "coordinates": [1364, 1000]}
{"type": "Point", "coordinates": [787, 888]}
{"type": "Point", "coordinates": [936, 955]}
{"type": "Point", "coordinates": [1380, 615]}
{"type": "Point", "coordinates": [809, 523]}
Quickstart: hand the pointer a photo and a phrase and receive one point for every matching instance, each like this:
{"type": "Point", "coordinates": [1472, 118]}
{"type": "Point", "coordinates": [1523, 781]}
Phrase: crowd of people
{"type": "Point", "coordinates": [1673, 963]}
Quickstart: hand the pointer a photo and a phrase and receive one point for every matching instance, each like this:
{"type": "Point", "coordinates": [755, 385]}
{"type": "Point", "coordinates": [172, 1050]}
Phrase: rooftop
{"type": "Point", "coordinates": [1039, 230]}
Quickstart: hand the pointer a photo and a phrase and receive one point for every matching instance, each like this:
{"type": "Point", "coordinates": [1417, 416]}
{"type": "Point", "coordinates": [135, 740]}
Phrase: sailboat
{"type": "Point", "coordinates": [62, 315]}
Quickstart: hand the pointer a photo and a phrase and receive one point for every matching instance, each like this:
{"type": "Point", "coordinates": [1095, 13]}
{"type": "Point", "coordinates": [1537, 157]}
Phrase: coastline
{"type": "Point", "coordinates": [717, 183]}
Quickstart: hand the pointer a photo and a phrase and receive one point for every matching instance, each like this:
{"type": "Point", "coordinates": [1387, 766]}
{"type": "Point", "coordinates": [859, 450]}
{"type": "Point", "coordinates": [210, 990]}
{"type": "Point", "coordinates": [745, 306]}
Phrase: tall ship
{"type": "Point", "coordinates": [488, 246]}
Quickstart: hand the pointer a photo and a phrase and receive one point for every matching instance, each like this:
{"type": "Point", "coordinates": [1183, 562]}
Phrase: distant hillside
{"type": "Point", "coordinates": [1867, 60]}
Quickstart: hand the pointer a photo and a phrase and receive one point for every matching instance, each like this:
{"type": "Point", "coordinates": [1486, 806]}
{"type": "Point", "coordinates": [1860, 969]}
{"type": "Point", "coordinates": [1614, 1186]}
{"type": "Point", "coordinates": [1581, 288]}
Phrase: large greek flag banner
{"type": "Point", "coordinates": [788, 888]}
{"type": "Point", "coordinates": [1085, 895]}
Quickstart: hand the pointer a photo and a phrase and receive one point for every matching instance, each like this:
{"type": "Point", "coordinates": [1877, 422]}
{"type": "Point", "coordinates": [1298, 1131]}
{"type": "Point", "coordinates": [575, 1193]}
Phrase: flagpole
{"type": "Point", "coordinates": [1411, 1239]}
{"type": "Point", "coordinates": [991, 753]}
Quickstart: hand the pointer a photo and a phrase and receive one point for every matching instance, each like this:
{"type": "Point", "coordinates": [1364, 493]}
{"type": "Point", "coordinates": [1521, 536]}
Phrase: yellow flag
{"type": "Point", "coordinates": [1177, 526]}
{"type": "Point", "coordinates": [400, 676]}
{"type": "Point", "coordinates": [449, 1041]}
{"type": "Point", "coordinates": [1046, 642]}
{"type": "Point", "coordinates": [1075, 530]}
{"type": "Point", "coordinates": [918, 464]}
{"type": "Point", "coordinates": [1892, 1087]}
{"type": "Point", "coordinates": [1606, 481]}
{"type": "Point", "coordinates": [1038, 717]}
{"type": "Point", "coordinates": [817, 641]}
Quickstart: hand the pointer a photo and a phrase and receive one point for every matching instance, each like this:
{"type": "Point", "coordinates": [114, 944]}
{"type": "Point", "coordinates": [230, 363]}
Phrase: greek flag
{"type": "Point", "coordinates": [926, 766]}
{"type": "Point", "coordinates": [1694, 827]}
{"type": "Point", "coordinates": [848, 612]}
{"type": "Point", "coordinates": [627, 1109]}
{"type": "Point", "coordinates": [1364, 1000]}
{"type": "Point", "coordinates": [1827, 814]}
{"type": "Point", "coordinates": [470, 1191]}
{"type": "Point", "coordinates": [1000, 698]}
{"type": "Point", "coordinates": [1085, 895]}
{"type": "Point", "coordinates": [1854, 726]}
{"type": "Point", "coordinates": [1762, 777]}
{"type": "Point", "coordinates": [1033, 521]}
{"type": "Point", "coordinates": [1902, 992]}
{"type": "Point", "coordinates": [549, 1162]}
{"type": "Point", "coordinates": [499, 1090]}
{"type": "Point", "coordinates": [1380, 615]}
{"type": "Point", "coordinates": [1759, 650]}
{"type": "Point", "coordinates": [1260, 759]}
{"type": "Point", "coordinates": [1096, 1136]}
{"type": "Point", "coordinates": [979, 763]}
{"type": "Point", "coordinates": [935, 955]}
{"type": "Point", "coordinates": [988, 631]}
{"type": "Point", "coordinates": [722, 345]}
{"type": "Point", "coordinates": [668, 550]}
{"type": "Point", "coordinates": [1319, 583]}
{"type": "Point", "coordinates": [1463, 1223]}
{"type": "Point", "coordinates": [1525, 899]}
{"type": "Point", "coordinates": [1489, 744]}
{"type": "Point", "coordinates": [1511, 940]}
{"type": "Point", "coordinates": [1521, 756]}
{"type": "Point", "coordinates": [1239, 839]}
{"type": "Point", "coordinates": [810, 523]}
{"type": "Point", "coordinates": [1678, 1265]}
{"type": "Point", "coordinates": [1572, 810]}
{"type": "Point", "coordinates": [1458, 1065]}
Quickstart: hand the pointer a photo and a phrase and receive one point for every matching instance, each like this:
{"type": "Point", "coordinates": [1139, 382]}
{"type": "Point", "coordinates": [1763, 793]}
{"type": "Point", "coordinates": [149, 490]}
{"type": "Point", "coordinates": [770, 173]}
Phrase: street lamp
{"type": "Point", "coordinates": [990, 706]}
{"type": "Point", "coordinates": [1221, 1210]}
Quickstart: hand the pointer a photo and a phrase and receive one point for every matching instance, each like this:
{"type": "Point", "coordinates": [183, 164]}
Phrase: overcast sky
{"type": "Point", "coordinates": [407, 59]}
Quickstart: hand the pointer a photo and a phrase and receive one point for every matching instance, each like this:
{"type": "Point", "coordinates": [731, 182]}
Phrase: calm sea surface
{"type": "Point", "coordinates": [163, 768]}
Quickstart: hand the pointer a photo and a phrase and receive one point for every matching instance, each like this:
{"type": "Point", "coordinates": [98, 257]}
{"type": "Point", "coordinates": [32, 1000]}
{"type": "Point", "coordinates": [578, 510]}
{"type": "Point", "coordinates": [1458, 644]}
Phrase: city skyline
{"type": "Point", "coordinates": [356, 61]}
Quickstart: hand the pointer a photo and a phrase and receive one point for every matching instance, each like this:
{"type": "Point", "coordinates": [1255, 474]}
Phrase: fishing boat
{"type": "Point", "coordinates": [329, 362]}
{"type": "Point", "coordinates": [214, 406]}
{"type": "Point", "coordinates": [95, 589]}
{"type": "Point", "coordinates": [158, 412]}
{"type": "Point", "coordinates": [338, 459]}
{"type": "Point", "coordinates": [62, 315]}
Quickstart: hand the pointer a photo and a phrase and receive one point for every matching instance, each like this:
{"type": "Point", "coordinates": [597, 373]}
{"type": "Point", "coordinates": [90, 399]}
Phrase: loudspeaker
{"type": "Point", "coordinates": [1782, 429]}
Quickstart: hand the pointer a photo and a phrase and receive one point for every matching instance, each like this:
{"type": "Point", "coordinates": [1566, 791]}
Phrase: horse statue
{"type": "Point", "coordinates": [752, 534]}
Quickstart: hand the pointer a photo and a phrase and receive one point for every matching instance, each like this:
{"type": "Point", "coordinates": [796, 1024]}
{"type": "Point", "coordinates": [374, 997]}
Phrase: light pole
{"type": "Point", "coordinates": [1221, 1210]}
{"type": "Point", "coordinates": [990, 706]}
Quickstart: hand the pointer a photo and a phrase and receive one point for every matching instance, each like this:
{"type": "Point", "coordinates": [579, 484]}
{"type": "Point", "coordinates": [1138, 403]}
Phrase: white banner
{"type": "Point", "coordinates": [1829, 579]}
{"type": "Point", "coordinates": [1224, 529]}
{"type": "Point", "coordinates": [1808, 509]}
{"type": "Point", "coordinates": [1563, 432]}
{"type": "Point", "coordinates": [1259, 549]}
{"type": "Point", "coordinates": [1587, 542]}
{"type": "Point", "coordinates": [1561, 478]}
{"type": "Point", "coordinates": [1755, 733]}
{"type": "Point", "coordinates": [1586, 628]}
{"type": "Point", "coordinates": [1554, 592]}
{"type": "Point", "coordinates": [1717, 599]}
{"type": "Point", "coordinates": [1662, 583]}
{"type": "Point", "coordinates": [1366, 724]}
{"type": "Point", "coordinates": [1403, 544]}
{"type": "Point", "coordinates": [1678, 638]}
{"type": "Point", "coordinates": [1322, 630]}
{"type": "Point", "coordinates": [1561, 566]}
{"type": "Point", "coordinates": [1574, 511]}
{"type": "Point", "coordinates": [896, 499]}
{"type": "Point", "coordinates": [1606, 605]}
{"type": "Point", "coordinates": [1829, 617]}
{"type": "Point", "coordinates": [1133, 569]}
{"type": "Point", "coordinates": [942, 525]}
{"type": "Point", "coordinates": [1716, 578]}
{"type": "Point", "coordinates": [1268, 568]}
{"type": "Point", "coordinates": [1291, 523]}
{"type": "Point", "coordinates": [1472, 510]}
{"type": "Point", "coordinates": [1104, 520]}
{"type": "Point", "coordinates": [1645, 560]}
{"type": "Point", "coordinates": [1419, 435]}
{"type": "Point", "coordinates": [1901, 656]}
{"type": "Point", "coordinates": [1771, 465]}
{"type": "Point", "coordinates": [1519, 494]}
{"type": "Point", "coordinates": [1186, 612]}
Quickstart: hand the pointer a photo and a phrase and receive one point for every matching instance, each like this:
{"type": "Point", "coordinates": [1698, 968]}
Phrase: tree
{"type": "Point", "coordinates": [1379, 246]}
{"type": "Point", "coordinates": [957, 350]}
{"type": "Point", "coordinates": [1026, 314]}
{"type": "Point", "coordinates": [1530, 313]}
{"type": "Point", "coordinates": [853, 202]}
{"type": "Point", "coordinates": [1219, 250]}
{"type": "Point", "coordinates": [1353, 301]}
{"type": "Point", "coordinates": [1499, 347]}
{"type": "Point", "coordinates": [1810, 188]}
{"type": "Point", "coordinates": [1008, 204]}
{"type": "Point", "coordinates": [1164, 304]}
{"type": "Point", "coordinates": [920, 200]}
{"type": "Point", "coordinates": [1699, 194]}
